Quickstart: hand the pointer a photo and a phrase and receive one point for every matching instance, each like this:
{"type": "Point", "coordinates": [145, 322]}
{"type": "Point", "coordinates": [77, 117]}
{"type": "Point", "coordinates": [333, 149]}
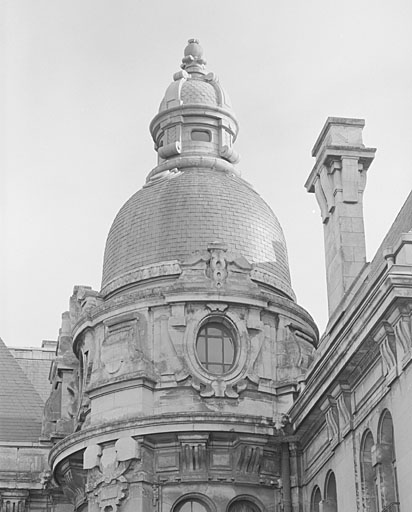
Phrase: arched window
{"type": "Point", "coordinates": [243, 506]}
{"type": "Point", "coordinates": [191, 505]}
{"type": "Point", "coordinates": [330, 493]}
{"type": "Point", "coordinates": [386, 462]}
{"type": "Point", "coordinates": [315, 500]}
{"type": "Point", "coordinates": [215, 347]}
{"type": "Point", "coordinates": [368, 479]}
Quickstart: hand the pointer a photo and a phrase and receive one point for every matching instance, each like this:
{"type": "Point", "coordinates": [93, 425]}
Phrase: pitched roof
{"type": "Point", "coordinates": [21, 407]}
{"type": "Point", "coordinates": [35, 362]}
{"type": "Point", "coordinates": [401, 224]}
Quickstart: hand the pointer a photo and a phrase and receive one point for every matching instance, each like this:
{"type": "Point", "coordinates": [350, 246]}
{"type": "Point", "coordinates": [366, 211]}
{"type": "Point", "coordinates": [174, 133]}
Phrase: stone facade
{"type": "Point", "coordinates": [193, 381]}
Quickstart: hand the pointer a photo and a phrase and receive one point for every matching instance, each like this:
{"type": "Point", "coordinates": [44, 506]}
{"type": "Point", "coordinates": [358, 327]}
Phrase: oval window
{"type": "Point", "coordinates": [215, 347]}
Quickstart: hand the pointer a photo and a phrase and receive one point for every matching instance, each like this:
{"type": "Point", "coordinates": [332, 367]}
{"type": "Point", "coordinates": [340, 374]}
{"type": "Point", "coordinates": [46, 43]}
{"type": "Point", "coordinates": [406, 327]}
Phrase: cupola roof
{"type": "Point", "coordinates": [195, 195]}
{"type": "Point", "coordinates": [195, 85]}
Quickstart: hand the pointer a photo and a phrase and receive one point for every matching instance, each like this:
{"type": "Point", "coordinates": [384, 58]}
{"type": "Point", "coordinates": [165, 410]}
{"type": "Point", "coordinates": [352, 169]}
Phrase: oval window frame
{"type": "Point", "coordinates": [243, 344]}
{"type": "Point", "coordinates": [224, 325]}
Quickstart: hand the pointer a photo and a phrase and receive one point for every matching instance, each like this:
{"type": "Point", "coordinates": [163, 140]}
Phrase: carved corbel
{"type": "Point", "coordinates": [330, 410]}
{"type": "Point", "coordinates": [72, 478]}
{"type": "Point", "coordinates": [342, 395]}
{"type": "Point", "coordinates": [193, 452]}
{"type": "Point", "coordinates": [388, 352]}
{"type": "Point", "coordinates": [249, 459]}
{"type": "Point", "coordinates": [218, 388]}
{"type": "Point", "coordinates": [320, 196]}
{"type": "Point", "coordinates": [326, 182]}
{"type": "Point", "coordinates": [403, 334]}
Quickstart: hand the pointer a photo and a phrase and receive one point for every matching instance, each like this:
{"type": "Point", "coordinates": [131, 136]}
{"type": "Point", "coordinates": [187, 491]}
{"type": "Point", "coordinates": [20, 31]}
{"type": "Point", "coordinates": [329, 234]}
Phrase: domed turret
{"type": "Point", "coordinates": [193, 351]}
{"type": "Point", "coordinates": [195, 195]}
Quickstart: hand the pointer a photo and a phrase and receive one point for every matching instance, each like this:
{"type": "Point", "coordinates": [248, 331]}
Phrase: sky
{"type": "Point", "coordinates": [82, 79]}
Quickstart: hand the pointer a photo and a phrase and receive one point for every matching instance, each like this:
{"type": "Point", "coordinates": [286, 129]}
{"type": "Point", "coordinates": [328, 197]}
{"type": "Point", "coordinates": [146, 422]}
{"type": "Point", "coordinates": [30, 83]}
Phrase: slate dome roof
{"type": "Point", "coordinates": [177, 216]}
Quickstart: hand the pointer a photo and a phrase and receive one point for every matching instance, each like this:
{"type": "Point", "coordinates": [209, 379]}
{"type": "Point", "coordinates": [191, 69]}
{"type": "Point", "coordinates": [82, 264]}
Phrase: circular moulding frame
{"type": "Point", "coordinates": [241, 339]}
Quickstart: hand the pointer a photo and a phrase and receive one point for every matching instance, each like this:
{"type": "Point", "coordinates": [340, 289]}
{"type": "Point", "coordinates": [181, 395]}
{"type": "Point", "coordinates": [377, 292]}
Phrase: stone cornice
{"type": "Point", "coordinates": [165, 268]}
{"type": "Point", "coordinates": [163, 424]}
{"type": "Point", "coordinates": [359, 319]}
{"type": "Point", "coordinates": [193, 109]}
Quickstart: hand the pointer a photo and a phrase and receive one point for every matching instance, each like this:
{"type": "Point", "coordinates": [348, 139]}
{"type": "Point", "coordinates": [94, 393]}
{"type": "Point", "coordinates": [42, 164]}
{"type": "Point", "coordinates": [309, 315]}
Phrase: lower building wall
{"type": "Point", "coordinates": [338, 461]}
{"type": "Point", "coordinates": [398, 402]}
{"type": "Point", "coordinates": [384, 416]}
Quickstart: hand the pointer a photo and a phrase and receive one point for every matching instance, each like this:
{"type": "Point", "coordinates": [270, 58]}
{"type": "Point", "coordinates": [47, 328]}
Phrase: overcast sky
{"type": "Point", "coordinates": [83, 79]}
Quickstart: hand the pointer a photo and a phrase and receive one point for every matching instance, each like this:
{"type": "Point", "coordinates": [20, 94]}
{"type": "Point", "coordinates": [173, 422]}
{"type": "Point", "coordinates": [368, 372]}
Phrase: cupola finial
{"type": "Point", "coordinates": [193, 61]}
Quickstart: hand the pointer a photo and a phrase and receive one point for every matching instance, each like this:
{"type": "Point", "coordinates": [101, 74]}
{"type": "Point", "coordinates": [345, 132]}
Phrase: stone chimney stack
{"type": "Point", "coordinates": [338, 180]}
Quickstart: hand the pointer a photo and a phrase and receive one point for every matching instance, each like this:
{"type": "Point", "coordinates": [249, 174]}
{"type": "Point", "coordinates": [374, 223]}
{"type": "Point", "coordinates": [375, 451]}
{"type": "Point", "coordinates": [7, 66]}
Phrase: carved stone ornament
{"type": "Point", "coordinates": [106, 483]}
{"type": "Point", "coordinates": [193, 452]}
{"type": "Point", "coordinates": [330, 410]}
{"type": "Point", "coordinates": [249, 459]}
{"type": "Point", "coordinates": [72, 478]}
{"type": "Point", "coordinates": [115, 347]}
{"type": "Point", "coordinates": [388, 352]}
{"type": "Point", "coordinates": [123, 349]}
{"type": "Point", "coordinates": [403, 334]}
{"type": "Point", "coordinates": [206, 383]}
{"type": "Point", "coordinates": [219, 387]}
{"type": "Point", "coordinates": [218, 268]}
{"type": "Point", "coordinates": [14, 500]}
{"type": "Point", "coordinates": [342, 395]}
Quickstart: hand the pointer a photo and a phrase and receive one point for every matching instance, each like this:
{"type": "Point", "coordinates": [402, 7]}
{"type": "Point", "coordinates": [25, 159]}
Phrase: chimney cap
{"type": "Point", "coordinates": [349, 126]}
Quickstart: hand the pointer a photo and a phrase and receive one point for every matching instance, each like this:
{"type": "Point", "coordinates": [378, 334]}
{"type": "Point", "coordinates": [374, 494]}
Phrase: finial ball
{"type": "Point", "coordinates": [193, 48]}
